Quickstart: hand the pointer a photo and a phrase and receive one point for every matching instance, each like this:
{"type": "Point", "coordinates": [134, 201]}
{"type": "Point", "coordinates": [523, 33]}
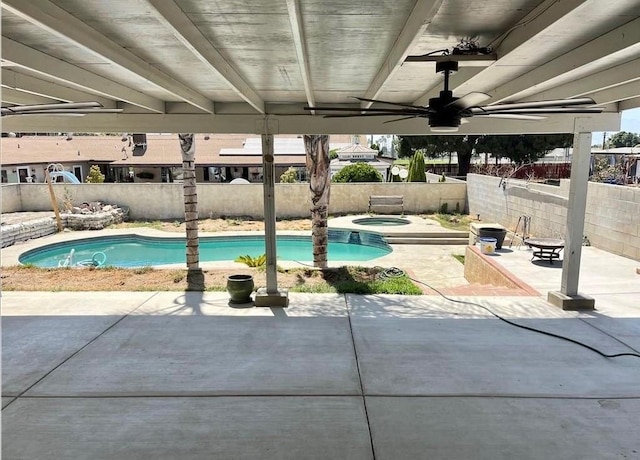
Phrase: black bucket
{"type": "Point", "coordinates": [493, 232]}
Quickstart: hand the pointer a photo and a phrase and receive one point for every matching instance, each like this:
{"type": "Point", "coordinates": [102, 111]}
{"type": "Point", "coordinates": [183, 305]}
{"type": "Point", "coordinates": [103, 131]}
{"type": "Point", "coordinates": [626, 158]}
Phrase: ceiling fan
{"type": "Point", "coordinates": [62, 108]}
{"type": "Point", "coordinates": [446, 112]}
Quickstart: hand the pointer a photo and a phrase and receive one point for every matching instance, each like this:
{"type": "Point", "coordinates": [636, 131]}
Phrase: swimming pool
{"type": "Point", "coordinates": [141, 251]}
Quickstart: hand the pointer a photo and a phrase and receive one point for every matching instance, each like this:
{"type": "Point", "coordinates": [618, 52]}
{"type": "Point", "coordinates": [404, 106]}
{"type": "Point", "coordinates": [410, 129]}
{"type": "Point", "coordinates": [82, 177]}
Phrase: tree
{"type": "Point", "coordinates": [95, 175]}
{"type": "Point", "coordinates": [290, 176]}
{"type": "Point", "coordinates": [195, 277]}
{"type": "Point", "coordinates": [416, 168]}
{"type": "Point", "coordinates": [435, 146]}
{"type": "Point", "coordinates": [624, 139]}
{"type": "Point", "coordinates": [522, 148]}
{"type": "Point", "coordinates": [317, 149]}
{"type": "Point", "coordinates": [358, 172]}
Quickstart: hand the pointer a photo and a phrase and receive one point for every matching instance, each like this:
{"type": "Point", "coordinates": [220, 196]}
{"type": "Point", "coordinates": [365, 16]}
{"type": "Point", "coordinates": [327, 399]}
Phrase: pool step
{"type": "Point", "coordinates": [426, 240]}
{"type": "Point", "coordinates": [439, 234]}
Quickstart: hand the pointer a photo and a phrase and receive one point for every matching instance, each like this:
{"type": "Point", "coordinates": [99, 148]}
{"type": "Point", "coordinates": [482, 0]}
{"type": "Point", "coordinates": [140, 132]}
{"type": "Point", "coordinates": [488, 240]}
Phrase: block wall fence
{"type": "Point", "coordinates": [612, 220]}
{"type": "Point", "coordinates": [165, 201]}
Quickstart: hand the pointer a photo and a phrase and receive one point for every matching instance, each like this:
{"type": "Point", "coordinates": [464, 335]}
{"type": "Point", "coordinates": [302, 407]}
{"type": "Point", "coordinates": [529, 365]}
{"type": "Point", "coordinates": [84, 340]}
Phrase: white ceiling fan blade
{"type": "Point", "coordinates": [8, 113]}
{"type": "Point", "coordinates": [61, 105]}
{"type": "Point", "coordinates": [513, 116]}
{"type": "Point", "coordinates": [468, 100]}
{"type": "Point", "coordinates": [541, 110]}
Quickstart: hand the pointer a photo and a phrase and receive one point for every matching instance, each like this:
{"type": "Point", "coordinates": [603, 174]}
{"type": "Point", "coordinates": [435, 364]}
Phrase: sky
{"type": "Point", "coordinates": [630, 123]}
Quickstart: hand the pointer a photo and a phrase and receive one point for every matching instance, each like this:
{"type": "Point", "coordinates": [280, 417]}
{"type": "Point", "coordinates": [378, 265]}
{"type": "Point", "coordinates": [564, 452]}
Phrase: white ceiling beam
{"type": "Point", "coordinates": [291, 124]}
{"type": "Point", "coordinates": [14, 96]}
{"type": "Point", "coordinates": [69, 74]}
{"type": "Point", "coordinates": [622, 92]}
{"type": "Point", "coordinates": [534, 24]}
{"type": "Point", "coordinates": [55, 20]}
{"type": "Point", "coordinates": [300, 43]}
{"type": "Point", "coordinates": [27, 83]}
{"type": "Point", "coordinates": [629, 104]}
{"type": "Point", "coordinates": [614, 76]}
{"type": "Point", "coordinates": [172, 17]}
{"type": "Point", "coordinates": [624, 39]}
{"type": "Point", "coordinates": [414, 27]}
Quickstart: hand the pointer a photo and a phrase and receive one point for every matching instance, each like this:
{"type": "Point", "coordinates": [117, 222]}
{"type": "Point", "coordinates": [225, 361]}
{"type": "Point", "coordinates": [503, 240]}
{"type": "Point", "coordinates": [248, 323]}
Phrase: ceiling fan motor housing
{"type": "Point", "coordinates": [444, 116]}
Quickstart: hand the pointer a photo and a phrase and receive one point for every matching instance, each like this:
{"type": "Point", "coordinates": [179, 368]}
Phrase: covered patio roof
{"type": "Point", "coordinates": [250, 67]}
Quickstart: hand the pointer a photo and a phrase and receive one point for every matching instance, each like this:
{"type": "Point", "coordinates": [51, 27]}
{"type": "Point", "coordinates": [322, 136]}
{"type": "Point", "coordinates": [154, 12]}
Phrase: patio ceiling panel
{"type": "Point", "coordinates": [255, 39]}
{"type": "Point", "coordinates": [347, 58]}
{"type": "Point", "coordinates": [482, 20]}
{"type": "Point", "coordinates": [41, 63]}
{"type": "Point", "coordinates": [283, 54]}
{"type": "Point", "coordinates": [415, 25]}
{"type": "Point", "coordinates": [622, 92]}
{"type": "Point", "coordinates": [18, 97]}
{"type": "Point", "coordinates": [614, 47]}
{"type": "Point", "coordinates": [59, 23]}
{"type": "Point", "coordinates": [49, 89]}
{"type": "Point", "coordinates": [609, 78]}
{"type": "Point", "coordinates": [629, 104]}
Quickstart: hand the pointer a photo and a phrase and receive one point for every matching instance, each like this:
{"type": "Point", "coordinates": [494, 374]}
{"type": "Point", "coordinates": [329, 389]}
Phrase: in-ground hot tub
{"type": "Point", "coordinates": [381, 221]}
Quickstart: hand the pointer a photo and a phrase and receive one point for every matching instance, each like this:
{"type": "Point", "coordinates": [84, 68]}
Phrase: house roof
{"type": "Point", "coordinates": [162, 150]}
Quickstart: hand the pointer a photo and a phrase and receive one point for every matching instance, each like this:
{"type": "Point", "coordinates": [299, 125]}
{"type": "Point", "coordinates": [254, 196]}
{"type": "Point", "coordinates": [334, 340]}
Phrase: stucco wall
{"type": "Point", "coordinates": [612, 220]}
{"type": "Point", "coordinates": [11, 198]}
{"type": "Point", "coordinates": [164, 201]}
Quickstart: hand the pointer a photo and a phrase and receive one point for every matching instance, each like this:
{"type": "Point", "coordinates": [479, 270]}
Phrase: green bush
{"type": "Point", "coordinates": [358, 172]}
{"type": "Point", "coordinates": [290, 176]}
{"type": "Point", "coordinates": [95, 175]}
{"type": "Point", "coordinates": [416, 168]}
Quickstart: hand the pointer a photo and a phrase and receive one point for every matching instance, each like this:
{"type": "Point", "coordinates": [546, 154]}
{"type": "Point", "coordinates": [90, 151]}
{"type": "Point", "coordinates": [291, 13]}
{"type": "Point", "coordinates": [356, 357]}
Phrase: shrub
{"type": "Point", "coordinates": [333, 154]}
{"type": "Point", "coordinates": [95, 175]}
{"type": "Point", "coordinates": [290, 176]}
{"type": "Point", "coordinates": [252, 261]}
{"type": "Point", "coordinates": [416, 168]}
{"type": "Point", "coordinates": [358, 172]}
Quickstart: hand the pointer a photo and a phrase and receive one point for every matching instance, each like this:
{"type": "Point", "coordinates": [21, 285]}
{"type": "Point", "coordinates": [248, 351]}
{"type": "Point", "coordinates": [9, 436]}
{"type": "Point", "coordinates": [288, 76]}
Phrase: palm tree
{"type": "Point", "coordinates": [317, 149]}
{"type": "Point", "coordinates": [195, 277]}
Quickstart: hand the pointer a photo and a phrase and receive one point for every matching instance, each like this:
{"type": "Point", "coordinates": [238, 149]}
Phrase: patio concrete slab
{"type": "Point", "coordinates": [217, 304]}
{"type": "Point", "coordinates": [32, 346]}
{"type": "Point", "coordinates": [6, 400]}
{"type": "Point", "coordinates": [444, 356]}
{"type": "Point", "coordinates": [187, 428]}
{"type": "Point", "coordinates": [399, 306]}
{"type": "Point", "coordinates": [504, 428]}
{"type": "Point", "coordinates": [212, 355]}
{"type": "Point", "coordinates": [17, 303]}
{"type": "Point", "coordinates": [609, 278]}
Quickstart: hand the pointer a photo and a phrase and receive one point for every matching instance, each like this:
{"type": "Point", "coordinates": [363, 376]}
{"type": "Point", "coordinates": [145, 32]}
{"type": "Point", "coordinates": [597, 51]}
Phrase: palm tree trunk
{"type": "Point", "coordinates": [188, 147]}
{"type": "Point", "coordinates": [317, 149]}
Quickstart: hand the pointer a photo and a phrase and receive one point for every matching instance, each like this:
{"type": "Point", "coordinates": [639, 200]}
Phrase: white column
{"type": "Point", "coordinates": [270, 296]}
{"type": "Point", "coordinates": [268, 184]}
{"type": "Point", "coordinates": [568, 297]}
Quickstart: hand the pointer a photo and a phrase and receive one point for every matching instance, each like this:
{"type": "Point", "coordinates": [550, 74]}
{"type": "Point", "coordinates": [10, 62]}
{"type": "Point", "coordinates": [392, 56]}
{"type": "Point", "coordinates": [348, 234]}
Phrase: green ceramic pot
{"type": "Point", "coordinates": [240, 288]}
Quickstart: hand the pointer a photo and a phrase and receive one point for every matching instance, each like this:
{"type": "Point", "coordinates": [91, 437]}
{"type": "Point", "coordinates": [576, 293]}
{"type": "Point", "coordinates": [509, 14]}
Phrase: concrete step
{"type": "Point", "coordinates": [412, 240]}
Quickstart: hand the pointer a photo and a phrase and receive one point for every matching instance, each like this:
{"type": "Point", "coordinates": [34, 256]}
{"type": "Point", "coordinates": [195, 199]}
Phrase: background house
{"type": "Point", "coordinates": [151, 157]}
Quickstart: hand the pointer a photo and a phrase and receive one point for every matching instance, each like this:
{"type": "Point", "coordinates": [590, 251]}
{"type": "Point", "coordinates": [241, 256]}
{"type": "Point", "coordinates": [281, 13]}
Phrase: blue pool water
{"type": "Point", "coordinates": [141, 251]}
